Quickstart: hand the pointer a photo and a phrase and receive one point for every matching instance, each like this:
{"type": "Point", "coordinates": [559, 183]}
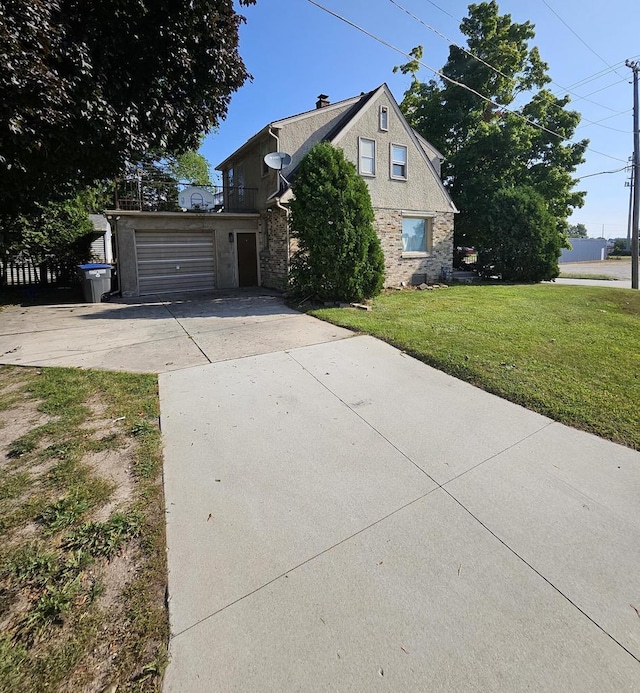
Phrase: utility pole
{"type": "Point", "coordinates": [629, 184]}
{"type": "Point", "coordinates": [635, 67]}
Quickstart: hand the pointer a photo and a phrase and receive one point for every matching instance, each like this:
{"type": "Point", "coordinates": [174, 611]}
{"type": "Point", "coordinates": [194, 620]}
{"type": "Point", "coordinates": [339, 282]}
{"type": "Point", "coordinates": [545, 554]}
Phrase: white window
{"type": "Point", "coordinates": [398, 161]}
{"type": "Point", "coordinates": [384, 118]}
{"type": "Point", "coordinates": [416, 234]}
{"type": "Point", "coordinates": [367, 156]}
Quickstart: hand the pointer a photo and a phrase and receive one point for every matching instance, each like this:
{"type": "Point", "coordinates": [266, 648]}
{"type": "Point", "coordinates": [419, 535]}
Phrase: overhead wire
{"type": "Point", "coordinates": [457, 83]}
{"type": "Point", "coordinates": [577, 35]}
{"type": "Point", "coordinates": [614, 115]}
{"type": "Point", "coordinates": [601, 173]}
{"type": "Point", "coordinates": [598, 75]}
{"type": "Point", "coordinates": [484, 62]}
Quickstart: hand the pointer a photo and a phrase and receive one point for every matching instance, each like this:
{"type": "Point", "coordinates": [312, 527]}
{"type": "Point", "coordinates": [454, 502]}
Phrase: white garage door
{"type": "Point", "coordinates": [170, 261]}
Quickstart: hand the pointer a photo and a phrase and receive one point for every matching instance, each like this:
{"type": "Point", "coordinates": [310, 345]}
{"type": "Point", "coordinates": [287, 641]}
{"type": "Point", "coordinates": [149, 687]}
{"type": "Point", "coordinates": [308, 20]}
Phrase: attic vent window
{"type": "Point", "coordinates": [323, 100]}
{"type": "Point", "coordinates": [384, 118]}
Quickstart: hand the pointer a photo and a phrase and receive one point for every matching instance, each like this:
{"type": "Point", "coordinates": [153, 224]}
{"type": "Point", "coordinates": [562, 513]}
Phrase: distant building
{"type": "Point", "coordinates": [585, 250]}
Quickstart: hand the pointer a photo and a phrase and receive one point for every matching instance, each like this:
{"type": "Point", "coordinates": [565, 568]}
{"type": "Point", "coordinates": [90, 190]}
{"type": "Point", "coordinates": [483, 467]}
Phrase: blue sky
{"type": "Point", "coordinates": [296, 51]}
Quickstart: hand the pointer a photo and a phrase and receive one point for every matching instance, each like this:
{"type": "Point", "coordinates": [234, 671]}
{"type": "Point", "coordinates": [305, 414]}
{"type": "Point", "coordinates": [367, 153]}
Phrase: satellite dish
{"type": "Point", "coordinates": [277, 160]}
{"type": "Point", "coordinates": [197, 199]}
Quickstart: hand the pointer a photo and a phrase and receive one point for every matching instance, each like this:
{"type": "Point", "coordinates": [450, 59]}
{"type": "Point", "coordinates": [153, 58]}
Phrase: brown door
{"type": "Point", "coordinates": [247, 259]}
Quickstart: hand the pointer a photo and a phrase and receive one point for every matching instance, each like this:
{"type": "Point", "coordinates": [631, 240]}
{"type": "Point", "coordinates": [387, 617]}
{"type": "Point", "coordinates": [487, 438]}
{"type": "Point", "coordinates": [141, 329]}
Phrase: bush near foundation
{"type": "Point", "coordinates": [339, 257]}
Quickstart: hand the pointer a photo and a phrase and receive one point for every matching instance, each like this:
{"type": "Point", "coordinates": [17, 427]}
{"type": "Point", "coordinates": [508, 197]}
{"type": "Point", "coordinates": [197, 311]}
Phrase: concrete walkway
{"type": "Point", "coordinates": [342, 517]}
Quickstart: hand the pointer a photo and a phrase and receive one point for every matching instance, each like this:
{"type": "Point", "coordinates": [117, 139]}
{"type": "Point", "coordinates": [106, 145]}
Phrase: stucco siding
{"type": "Point", "coordinates": [297, 137]}
{"type": "Point", "coordinates": [220, 224]}
{"type": "Point", "coordinates": [421, 189]}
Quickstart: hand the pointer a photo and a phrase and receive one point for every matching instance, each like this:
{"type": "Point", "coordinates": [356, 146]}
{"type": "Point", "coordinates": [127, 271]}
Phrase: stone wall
{"type": "Point", "coordinates": [414, 269]}
{"type": "Point", "coordinates": [274, 254]}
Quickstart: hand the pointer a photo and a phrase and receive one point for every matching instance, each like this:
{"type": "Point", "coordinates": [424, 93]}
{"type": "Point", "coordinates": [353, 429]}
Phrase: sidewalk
{"type": "Point", "coordinates": [343, 517]}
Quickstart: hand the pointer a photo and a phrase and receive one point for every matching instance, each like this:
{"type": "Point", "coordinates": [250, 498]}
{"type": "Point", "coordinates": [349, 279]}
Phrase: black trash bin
{"type": "Point", "coordinates": [96, 281]}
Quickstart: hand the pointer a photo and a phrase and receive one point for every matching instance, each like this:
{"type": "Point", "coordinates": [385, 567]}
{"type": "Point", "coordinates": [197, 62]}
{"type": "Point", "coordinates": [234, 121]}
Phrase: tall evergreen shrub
{"type": "Point", "coordinates": [339, 257]}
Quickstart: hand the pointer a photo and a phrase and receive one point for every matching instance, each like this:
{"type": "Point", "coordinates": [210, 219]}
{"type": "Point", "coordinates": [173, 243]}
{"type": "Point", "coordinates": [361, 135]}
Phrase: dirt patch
{"type": "Point", "coordinates": [115, 467]}
{"type": "Point", "coordinates": [17, 421]}
{"type": "Point", "coordinates": [82, 572]}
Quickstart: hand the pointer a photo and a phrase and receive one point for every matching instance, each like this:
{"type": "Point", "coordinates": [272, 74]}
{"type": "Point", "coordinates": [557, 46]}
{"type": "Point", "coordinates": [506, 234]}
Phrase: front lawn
{"type": "Point", "coordinates": [82, 549]}
{"type": "Point", "coordinates": [571, 353]}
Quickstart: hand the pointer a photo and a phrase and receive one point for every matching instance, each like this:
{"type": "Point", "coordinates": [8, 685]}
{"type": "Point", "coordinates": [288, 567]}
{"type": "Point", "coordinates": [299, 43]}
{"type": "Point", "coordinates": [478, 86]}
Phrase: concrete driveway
{"type": "Point", "coordinates": [156, 334]}
{"type": "Point", "coordinates": [342, 517]}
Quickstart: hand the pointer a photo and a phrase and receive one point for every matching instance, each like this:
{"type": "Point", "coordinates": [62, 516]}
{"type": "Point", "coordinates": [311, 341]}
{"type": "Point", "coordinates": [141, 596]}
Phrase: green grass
{"type": "Point", "coordinates": [568, 352]}
{"type": "Point", "coordinates": [52, 577]}
{"type": "Point", "coordinates": [586, 275]}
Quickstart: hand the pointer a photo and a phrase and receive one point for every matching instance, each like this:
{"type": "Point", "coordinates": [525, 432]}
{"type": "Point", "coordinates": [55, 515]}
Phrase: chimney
{"type": "Point", "coordinates": [323, 100]}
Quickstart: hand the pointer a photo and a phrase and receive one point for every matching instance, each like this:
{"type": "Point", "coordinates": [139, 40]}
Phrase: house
{"type": "Point", "coordinates": [101, 250]}
{"type": "Point", "coordinates": [413, 211]}
{"type": "Point", "coordinates": [244, 238]}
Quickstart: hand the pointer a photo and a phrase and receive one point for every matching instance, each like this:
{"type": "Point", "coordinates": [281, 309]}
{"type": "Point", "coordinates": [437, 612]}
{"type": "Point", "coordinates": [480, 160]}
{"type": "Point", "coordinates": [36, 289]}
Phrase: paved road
{"type": "Point", "coordinates": [619, 269]}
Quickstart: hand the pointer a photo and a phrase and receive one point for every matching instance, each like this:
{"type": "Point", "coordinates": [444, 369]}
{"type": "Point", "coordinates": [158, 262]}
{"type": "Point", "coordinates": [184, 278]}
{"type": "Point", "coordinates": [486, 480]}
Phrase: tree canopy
{"type": "Point", "coordinates": [87, 87]}
{"type": "Point", "coordinates": [515, 138]}
{"type": "Point", "coordinates": [577, 231]}
{"type": "Point", "coordinates": [339, 257]}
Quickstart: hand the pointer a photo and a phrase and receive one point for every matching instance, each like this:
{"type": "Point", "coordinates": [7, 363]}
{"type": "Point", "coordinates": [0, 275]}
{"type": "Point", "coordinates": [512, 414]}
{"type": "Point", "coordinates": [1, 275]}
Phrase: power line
{"type": "Point", "coordinates": [450, 41]}
{"type": "Point", "coordinates": [599, 74]}
{"type": "Point", "coordinates": [453, 81]}
{"type": "Point", "coordinates": [601, 173]}
{"type": "Point", "coordinates": [613, 84]}
{"type": "Point", "coordinates": [576, 35]}
{"type": "Point", "coordinates": [614, 115]}
{"type": "Point", "coordinates": [440, 8]}
{"type": "Point", "coordinates": [495, 69]}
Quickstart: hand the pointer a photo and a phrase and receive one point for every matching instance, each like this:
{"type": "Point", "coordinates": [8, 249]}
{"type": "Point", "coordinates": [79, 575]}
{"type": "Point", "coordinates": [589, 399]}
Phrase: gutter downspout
{"type": "Point", "coordinates": [279, 205]}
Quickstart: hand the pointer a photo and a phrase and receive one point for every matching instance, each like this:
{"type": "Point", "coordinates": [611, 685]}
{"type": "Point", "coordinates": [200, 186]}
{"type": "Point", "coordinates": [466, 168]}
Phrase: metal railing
{"type": "Point", "coordinates": [165, 196]}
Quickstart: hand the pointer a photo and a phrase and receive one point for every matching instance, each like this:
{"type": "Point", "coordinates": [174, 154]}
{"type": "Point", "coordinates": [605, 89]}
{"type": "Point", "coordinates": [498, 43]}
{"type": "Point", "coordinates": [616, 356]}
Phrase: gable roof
{"type": "Point", "coordinates": [345, 105]}
{"type": "Point", "coordinates": [353, 109]}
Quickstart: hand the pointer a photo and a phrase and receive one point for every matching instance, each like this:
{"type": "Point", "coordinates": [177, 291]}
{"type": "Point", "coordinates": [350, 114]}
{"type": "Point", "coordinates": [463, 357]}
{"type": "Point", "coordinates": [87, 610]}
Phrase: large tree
{"type": "Point", "coordinates": [339, 257]}
{"type": "Point", "coordinates": [517, 139]}
{"type": "Point", "coordinates": [88, 86]}
{"type": "Point", "coordinates": [577, 231]}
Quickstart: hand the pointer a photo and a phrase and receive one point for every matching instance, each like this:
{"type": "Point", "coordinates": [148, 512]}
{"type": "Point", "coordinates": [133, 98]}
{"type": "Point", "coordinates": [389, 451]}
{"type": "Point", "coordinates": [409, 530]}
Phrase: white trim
{"type": "Point", "coordinates": [369, 174]}
{"type": "Point", "coordinates": [393, 161]}
{"type": "Point", "coordinates": [371, 98]}
{"type": "Point", "coordinates": [428, 231]}
{"type": "Point", "coordinates": [419, 214]}
{"type": "Point", "coordinates": [325, 109]}
{"type": "Point", "coordinates": [383, 110]}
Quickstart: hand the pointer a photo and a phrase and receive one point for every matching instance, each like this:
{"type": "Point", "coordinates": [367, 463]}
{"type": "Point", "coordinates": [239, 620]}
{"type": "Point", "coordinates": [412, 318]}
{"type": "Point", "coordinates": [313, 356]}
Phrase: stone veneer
{"type": "Point", "coordinates": [275, 252]}
{"type": "Point", "coordinates": [414, 270]}
{"type": "Point", "coordinates": [278, 248]}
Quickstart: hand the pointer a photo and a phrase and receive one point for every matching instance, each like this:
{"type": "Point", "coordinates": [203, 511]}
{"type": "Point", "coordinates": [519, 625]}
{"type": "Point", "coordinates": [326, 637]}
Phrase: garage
{"type": "Point", "coordinates": [173, 261]}
{"type": "Point", "coordinates": [175, 252]}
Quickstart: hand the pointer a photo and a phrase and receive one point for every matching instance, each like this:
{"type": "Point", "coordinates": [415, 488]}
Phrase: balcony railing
{"type": "Point", "coordinates": [165, 196]}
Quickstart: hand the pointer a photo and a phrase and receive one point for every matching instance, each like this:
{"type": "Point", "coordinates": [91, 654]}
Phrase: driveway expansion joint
{"type": "Point", "coordinates": [367, 423]}
{"type": "Point", "coordinates": [539, 574]}
{"type": "Point", "coordinates": [362, 530]}
{"type": "Point", "coordinates": [183, 328]}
